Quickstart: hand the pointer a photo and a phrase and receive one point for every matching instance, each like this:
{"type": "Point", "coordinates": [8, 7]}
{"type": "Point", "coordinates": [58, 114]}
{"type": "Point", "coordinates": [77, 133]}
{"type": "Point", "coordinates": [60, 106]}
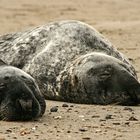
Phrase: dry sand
{"type": "Point", "coordinates": [119, 21]}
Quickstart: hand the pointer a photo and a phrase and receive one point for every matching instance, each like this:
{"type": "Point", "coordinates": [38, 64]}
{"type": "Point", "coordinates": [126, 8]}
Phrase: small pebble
{"type": "Point", "coordinates": [127, 123]}
{"type": "Point", "coordinates": [69, 109]}
{"type": "Point", "coordinates": [81, 116]}
{"type": "Point", "coordinates": [83, 129]}
{"type": "Point", "coordinates": [68, 131]}
{"type": "Point", "coordinates": [108, 117]}
{"type": "Point", "coordinates": [131, 59]}
{"type": "Point", "coordinates": [102, 120]}
{"type": "Point", "coordinates": [54, 109]}
{"type": "Point", "coordinates": [83, 119]}
{"type": "Point", "coordinates": [98, 130]}
{"type": "Point", "coordinates": [24, 131]}
{"type": "Point", "coordinates": [95, 116]}
{"type": "Point", "coordinates": [133, 119]}
{"type": "Point", "coordinates": [86, 138]}
{"type": "Point", "coordinates": [33, 128]}
{"type": "Point", "coordinates": [58, 117]}
{"type": "Point", "coordinates": [116, 123]}
{"type": "Point", "coordinates": [65, 105]}
{"type": "Point", "coordinates": [9, 131]}
{"type": "Point", "coordinates": [128, 108]}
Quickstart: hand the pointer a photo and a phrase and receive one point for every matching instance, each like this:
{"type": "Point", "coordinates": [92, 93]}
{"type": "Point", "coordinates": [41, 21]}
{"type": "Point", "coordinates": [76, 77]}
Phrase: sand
{"type": "Point", "coordinates": [119, 21]}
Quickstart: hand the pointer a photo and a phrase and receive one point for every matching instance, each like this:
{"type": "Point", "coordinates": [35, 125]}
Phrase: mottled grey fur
{"type": "Point", "coordinates": [50, 54]}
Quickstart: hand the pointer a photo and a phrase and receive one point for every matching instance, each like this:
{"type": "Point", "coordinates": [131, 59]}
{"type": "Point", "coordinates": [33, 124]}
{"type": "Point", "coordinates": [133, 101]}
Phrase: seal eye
{"type": "Point", "coordinates": [22, 76]}
{"type": "Point", "coordinates": [91, 72]}
{"type": "Point", "coordinates": [106, 73]}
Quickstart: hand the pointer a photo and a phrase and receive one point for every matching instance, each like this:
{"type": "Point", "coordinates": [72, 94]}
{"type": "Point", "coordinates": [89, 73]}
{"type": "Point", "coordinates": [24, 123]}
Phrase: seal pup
{"type": "Point", "coordinates": [20, 97]}
{"type": "Point", "coordinates": [73, 62]}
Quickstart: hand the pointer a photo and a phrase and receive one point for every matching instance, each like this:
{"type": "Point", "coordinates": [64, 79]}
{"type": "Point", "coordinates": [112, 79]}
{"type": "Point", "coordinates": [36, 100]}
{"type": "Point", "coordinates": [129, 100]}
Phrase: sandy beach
{"type": "Point", "coordinates": [117, 20]}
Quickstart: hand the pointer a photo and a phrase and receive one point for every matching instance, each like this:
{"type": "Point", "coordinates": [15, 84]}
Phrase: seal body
{"type": "Point", "coordinates": [60, 55]}
{"type": "Point", "coordinates": [20, 97]}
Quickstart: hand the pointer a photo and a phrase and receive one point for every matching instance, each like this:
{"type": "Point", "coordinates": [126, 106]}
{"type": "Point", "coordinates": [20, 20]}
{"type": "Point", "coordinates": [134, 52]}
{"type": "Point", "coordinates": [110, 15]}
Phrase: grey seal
{"type": "Point", "coordinates": [71, 61]}
{"type": "Point", "coordinates": [20, 97]}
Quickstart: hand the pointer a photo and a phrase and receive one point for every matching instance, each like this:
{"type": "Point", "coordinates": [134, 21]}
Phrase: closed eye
{"type": "Point", "coordinates": [22, 76]}
{"type": "Point", "coordinates": [92, 72]}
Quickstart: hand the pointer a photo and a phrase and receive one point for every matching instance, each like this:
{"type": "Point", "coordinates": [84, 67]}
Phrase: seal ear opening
{"type": "Point", "coordinates": [2, 62]}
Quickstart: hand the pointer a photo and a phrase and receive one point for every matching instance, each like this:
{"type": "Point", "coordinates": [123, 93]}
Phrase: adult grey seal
{"type": "Point", "coordinates": [20, 98]}
{"type": "Point", "coordinates": [73, 62]}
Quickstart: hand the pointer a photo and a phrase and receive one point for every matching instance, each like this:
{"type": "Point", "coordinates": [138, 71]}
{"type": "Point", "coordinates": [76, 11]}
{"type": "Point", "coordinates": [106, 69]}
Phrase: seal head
{"type": "Point", "coordinates": [97, 78]}
{"type": "Point", "coordinates": [20, 98]}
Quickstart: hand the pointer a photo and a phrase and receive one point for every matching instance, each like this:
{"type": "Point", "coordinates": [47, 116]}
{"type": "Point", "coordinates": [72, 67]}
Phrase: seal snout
{"type": "Point", "coordinates": [20, 96]}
